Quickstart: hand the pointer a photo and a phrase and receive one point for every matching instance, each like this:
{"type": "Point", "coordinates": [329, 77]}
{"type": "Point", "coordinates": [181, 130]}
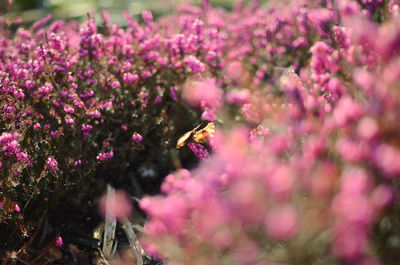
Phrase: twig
{"type": "Point", "coordinates": [103, 257]}
{"type": "Point", "coordinates": [133, 241]}
{"type": "Point", "coordinates": [110, 224]}
{"type": "Point", "coordinates": [21, 260]}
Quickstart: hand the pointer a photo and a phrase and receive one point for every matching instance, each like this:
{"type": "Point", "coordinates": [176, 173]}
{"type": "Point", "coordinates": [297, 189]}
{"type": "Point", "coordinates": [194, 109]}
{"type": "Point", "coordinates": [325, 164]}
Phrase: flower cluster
{"type": "Point", "coordinates": [11, 147]}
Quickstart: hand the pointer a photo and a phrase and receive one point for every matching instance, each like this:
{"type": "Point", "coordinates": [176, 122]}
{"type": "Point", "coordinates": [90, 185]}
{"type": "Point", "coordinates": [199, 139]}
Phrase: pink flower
{"type": "Point", "coordinates": [382, 196]}
{"type": "Point", "coordinates": [346, 110]}
{"type": "Point", "coordinates": [355, 208]}
{"type": "Point", "coordinates": [157, 100]}
{"type": "Point", "coordinates": [282, 222]}
{"type": "Point", "coordinates": [16, 208]}
{"type": "Point", "coordinates": [195, 65]}
{"type": "Point", "coordinates": [147, 17]}
{"type": "Point", "coordinates": [174, 182]}
{"type": "Point", "coordinates": [117, 206]}
{"type": "Point", "coordinates": [129, 78]}
{"type": "Point", "coordinates": [198, 150]}
{"type": "Point", "coordinates": [55, 42]}
{"type": "Point", "coordinates": [350, 242]}
{"type": "Point", "coordinates": [53, 164]}
{"type": "Point", "coordinates": [173, 90]}
{"type": "Point", "coordinates": [172, 211]}
{"type": "Point", "coordinates": [204, 94]}
{"type": "Point", "coordinates": [387, 157]}
{"type": "Point", "coordinates": [69, 121]}
{"type": "Point", "coordinates": [69, 110]}
{"type": "Point", "coordinates": [86, 129]}
{"type": "Point", "coordinates": [59, 242]}
{"type": "Point", "coordinates": [105, 156]}
{"type": "Point", "coordinates": [280, 182]}
{"type": "Point", "coordinates": [235, 71]}
{"type": "Point", "coordinates": [137, 138]}
{"type": "Point", "coordinates": [239, 97]}
{"type": "Point", "coordinates": [367, 128]}
{"type": "Point", "coordinates": [37, 126]}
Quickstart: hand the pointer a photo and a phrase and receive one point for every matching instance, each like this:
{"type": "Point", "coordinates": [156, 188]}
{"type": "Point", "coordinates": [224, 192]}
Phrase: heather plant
{"type": "Point", "coordinates": [82, 104]}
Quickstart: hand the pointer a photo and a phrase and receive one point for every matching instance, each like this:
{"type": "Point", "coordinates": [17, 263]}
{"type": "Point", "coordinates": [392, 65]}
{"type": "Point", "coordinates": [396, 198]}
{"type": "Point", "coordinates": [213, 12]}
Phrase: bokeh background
{"type": "Point", "coordinates": [32, 10]}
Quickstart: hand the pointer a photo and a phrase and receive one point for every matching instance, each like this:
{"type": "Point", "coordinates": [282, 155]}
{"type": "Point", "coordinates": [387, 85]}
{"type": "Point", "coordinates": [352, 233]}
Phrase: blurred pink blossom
{"type": "Point", "coordinates": [204, 94]}
{"type": "Point", "coordinates": [282, 222]}
{"type": "Point", "coordinates": [117, 206]}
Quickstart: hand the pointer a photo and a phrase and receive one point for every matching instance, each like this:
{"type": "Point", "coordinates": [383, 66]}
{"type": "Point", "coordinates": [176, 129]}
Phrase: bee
{"type": "Point", "coordinates": [199, 135]}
